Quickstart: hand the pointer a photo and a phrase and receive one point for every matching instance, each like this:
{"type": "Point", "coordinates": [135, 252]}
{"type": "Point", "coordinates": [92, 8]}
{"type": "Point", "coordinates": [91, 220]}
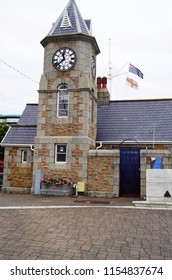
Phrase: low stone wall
{"type": "Point", "coordinates": [159, 185]}
{"type": "Point", "coordinates": [103, 173]}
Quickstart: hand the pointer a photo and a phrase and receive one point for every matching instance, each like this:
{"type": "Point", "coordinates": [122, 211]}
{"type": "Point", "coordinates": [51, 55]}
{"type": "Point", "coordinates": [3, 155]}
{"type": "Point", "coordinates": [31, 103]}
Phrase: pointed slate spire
{"type": "Point", "coordinates": [71, 25]}
{"type": "Point", "coordinates": [70, 22]}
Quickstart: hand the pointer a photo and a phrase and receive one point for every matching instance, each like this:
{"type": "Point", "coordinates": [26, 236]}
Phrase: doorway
{"type": "Point", "coordinates": [130, 172]}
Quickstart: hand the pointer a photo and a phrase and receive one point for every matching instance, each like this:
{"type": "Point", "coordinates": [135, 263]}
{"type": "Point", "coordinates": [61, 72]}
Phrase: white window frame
{"type": "Point", "coordinates": [24, 156]}
{"type": "Point", "coordinates": [58, 152]}
{"type": "Point", "coordinates": [63, 94]}
{"type": "Point", "coordinates": [92, 110]}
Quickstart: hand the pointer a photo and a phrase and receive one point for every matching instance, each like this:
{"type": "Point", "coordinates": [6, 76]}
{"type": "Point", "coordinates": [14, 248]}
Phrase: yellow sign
{"type": "Point", "coordinates": [80, 187]}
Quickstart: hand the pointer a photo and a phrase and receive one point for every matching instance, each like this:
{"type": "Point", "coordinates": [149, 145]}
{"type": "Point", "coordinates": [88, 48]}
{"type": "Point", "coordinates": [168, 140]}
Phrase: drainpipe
{"type": "Point", "coordinates": [100, 145]}
{"type": "Point", "coordinates": [31, 147]}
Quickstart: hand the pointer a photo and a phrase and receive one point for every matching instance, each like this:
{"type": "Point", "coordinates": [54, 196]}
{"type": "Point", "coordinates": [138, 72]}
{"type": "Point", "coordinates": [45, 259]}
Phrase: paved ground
{"type": "Point", "coordinates": [33, 200]}
{"type": "Point", "coordinates": [83, 228]}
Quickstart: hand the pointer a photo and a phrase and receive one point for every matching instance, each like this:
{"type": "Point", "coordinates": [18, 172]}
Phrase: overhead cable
{"type": "Point", "coordinates": [13, 68]}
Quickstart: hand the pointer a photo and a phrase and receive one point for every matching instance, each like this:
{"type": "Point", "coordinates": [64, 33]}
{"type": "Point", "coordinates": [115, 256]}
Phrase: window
{"type": "Point", "coordinates": [60, 155]}
{"type": "Point", "coordinates": [62, 101]}
{"type": "Point", "coordinates": [24, 156]}
{"type": "Point", "coordinates": [92, 109]}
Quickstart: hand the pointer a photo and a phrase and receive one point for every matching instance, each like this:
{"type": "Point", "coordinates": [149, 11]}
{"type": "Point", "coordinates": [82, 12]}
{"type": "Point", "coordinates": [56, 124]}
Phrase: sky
{"type": "Point", "coordinates": [127, 31]}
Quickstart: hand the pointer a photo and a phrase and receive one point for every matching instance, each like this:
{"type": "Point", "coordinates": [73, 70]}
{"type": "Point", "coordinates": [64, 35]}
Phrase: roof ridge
{"type": "Point", "coordinates": [141, 100]}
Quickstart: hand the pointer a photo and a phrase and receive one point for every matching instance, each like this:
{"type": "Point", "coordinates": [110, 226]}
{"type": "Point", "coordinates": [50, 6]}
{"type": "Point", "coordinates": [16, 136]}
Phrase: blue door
{"type": "Point", "coordinates": [130, 172]}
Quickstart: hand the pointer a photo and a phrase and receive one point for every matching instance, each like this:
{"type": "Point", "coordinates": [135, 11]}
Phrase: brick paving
{"type": "Point", "coordinates": [99, 232]}
{"type": "Point", "coordinates": [33, 200]}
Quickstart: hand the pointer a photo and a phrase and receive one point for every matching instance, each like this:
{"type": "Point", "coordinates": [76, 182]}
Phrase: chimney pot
{"type": "Point", "coordinates": [99, 82]}
{"type": "Point", "coordinates": [104, 82]}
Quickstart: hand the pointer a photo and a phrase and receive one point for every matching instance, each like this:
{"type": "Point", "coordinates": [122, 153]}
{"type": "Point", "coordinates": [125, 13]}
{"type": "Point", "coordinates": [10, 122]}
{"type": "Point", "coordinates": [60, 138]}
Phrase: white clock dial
{"type": "Point", "coordinates": [64, 59]}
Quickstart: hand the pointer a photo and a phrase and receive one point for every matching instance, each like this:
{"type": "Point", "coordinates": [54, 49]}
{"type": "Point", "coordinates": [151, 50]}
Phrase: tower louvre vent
{"type": "Point", "coordinates": [65, 21]}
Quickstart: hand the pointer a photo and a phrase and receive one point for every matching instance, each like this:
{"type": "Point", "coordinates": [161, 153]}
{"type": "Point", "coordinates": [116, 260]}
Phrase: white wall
{"type": "Point", "coordinates": [158, 182]}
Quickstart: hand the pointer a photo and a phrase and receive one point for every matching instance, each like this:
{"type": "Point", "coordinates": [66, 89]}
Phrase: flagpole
{"type": "Point", "coordinates": [110, 68]}
{"type": "Point", "coordinates": [153, 135]}
{"type": "Point", "coordinates": [114, 76]}
{"type": "Point", "coordinates": [118, 73]}
{"type": "Point", "coordinates": [124, 66]}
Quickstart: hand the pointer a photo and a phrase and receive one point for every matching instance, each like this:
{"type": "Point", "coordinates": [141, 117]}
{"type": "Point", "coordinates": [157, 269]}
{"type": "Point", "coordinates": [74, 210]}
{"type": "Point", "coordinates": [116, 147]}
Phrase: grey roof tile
{"type": "Point", "coordinates": [29, 115]}
{"type": "Point", "coordinates": [140, 120]}
{"type": "Point", "coordinates": [20, 135]}
{"type": "Point", "coordinates": [25, 131]}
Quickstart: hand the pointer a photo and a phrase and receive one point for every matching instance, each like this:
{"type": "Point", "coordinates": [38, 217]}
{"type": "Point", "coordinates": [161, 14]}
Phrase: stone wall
{"type": "Point", "coordinates": [75, 167]}
{"type": "Point", "coordinates": [17, 175]}
{"type": "Point", "coordinates": [104, 170]}
{"type": "Point", "coordinates": [98, 169]}
{"type": "Point", "coordinates": [103, 173]}
{"type": "Point", "coordinates": [79, 121]}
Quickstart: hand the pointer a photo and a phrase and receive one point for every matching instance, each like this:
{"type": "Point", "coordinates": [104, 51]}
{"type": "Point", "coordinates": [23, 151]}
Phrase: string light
{"type": "Point", "coordinates": [19, 72]}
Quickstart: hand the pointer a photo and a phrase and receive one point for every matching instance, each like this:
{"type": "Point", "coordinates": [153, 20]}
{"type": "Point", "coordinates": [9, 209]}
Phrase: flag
{"type": "Point", "coordinates": [130, 82]}
{"type": "Point", "coordinates": [135, 71]}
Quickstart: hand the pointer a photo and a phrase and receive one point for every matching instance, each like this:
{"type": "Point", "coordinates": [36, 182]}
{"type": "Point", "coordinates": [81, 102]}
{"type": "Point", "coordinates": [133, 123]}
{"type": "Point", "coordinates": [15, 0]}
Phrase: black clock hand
{"type": "Point", "coordinates": [63, 55]}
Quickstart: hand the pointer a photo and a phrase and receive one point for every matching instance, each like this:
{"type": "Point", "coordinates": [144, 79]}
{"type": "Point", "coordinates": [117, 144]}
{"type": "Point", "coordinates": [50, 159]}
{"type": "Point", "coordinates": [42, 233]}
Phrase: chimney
{"type": "Point", "coordinates": [104, 82]}
{"type": "Point", "coordinates": [102, 91]}
{"type": "Point", "coordinates": [99, 83]}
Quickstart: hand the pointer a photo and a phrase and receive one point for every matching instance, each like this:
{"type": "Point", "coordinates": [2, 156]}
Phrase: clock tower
{"type": "Point", "coordinates": [67, 108]}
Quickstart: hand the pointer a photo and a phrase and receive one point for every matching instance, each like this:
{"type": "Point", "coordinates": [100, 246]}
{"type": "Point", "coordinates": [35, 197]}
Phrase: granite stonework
{"type": "Point", "coordinates": [103, 173]}
{"type": "Point", "coordinates": [63, 190]}
{"type": "Point", "coordinates": [145, 164]}
{"type": "Point", "coordinates": [17, 175]}
{"type": "Point", "coordinates": [78, 129]}
{"type": "Point", "coordinates": [159, 185]}
{"type": "Point", "coordinates": [158, 189]}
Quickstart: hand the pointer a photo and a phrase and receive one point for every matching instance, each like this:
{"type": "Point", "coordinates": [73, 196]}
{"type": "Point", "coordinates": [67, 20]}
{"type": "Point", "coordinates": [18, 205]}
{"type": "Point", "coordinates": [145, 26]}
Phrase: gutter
{"type": "Point", "coordinates": [132, 142]}
{"type": "Point", "coordinates": [101, 143]}
{"type": "Point", "coordinates": [19, 145]}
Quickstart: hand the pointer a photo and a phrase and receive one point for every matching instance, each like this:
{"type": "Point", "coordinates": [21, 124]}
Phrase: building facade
{"type": "Point", "coordinates": [75, 131]}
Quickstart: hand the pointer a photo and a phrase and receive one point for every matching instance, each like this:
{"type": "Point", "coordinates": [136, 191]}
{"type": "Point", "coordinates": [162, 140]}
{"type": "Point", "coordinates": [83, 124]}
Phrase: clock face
{"type": "Point", "coordinates": [64, 59]}
{"type": "Point", "coordinates": [93, 66]}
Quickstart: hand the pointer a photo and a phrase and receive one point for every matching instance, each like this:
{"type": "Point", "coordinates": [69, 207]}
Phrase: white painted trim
{"type": "Point", "coordinates": [133, 142]}
{"type": "Point", "coordinates": [58, 95]}
{"type": "Point", "coordinates": [23, 156]}
{"type": "Point", "coordinates": [86, 206]}
{"type": "Point", "coordinates": [5, 136]}
{"type": "Point", "coordinates": [19, 145]}
{"type": "Point", "coordinates": [60, 162]}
